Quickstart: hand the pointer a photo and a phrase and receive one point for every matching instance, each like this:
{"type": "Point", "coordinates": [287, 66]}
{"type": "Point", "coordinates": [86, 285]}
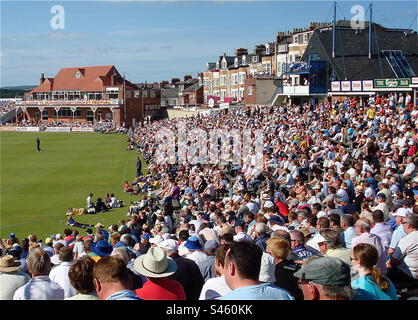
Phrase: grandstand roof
{"type": "Point", "coordinates": [92, 78]}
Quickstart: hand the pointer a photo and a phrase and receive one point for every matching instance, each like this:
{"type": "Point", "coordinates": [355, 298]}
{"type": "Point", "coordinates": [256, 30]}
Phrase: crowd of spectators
{"type": "Point", "coordinates": [330, 213]}
{"type": "Point", "coordinates": [6, 106]}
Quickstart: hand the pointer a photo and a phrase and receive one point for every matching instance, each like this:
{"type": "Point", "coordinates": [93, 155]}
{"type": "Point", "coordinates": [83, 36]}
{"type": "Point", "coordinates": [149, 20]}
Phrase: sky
{"type": "Point", "coordinates": [156, 40]}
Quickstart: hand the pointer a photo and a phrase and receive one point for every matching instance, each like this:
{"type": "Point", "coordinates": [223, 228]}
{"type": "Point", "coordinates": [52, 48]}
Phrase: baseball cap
{"type": "Point", "coordinates": [239, 223]}
{"type": "Point", "coordinates": [169, 244]}
{"type": "Point", "coordinates": [328, 271]}
{"type": "Point", "coordinates": [210, 245]}
{"type": "Point", "coordinates": [12, 236]}
{"type": "Point", "coordinates": [156, 240]}
{"type": "Point", "coordinates": [381, 195]}
{"type": "Point", "coordinates": [401, 212]}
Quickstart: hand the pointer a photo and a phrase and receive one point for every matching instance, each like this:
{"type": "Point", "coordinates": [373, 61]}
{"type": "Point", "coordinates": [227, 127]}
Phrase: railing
{"type": "Point", "coordinates": [68, 102]}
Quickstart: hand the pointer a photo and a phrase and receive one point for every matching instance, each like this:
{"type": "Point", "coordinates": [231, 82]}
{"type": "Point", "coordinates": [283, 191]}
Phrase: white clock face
{"type": "Point", "coordinates": [78, 75]}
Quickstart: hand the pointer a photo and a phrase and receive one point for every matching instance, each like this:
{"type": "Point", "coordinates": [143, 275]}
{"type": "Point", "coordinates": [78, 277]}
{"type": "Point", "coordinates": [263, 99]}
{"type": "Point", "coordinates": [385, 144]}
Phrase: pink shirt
{"type": "Point", "coordinates": [375, 241]}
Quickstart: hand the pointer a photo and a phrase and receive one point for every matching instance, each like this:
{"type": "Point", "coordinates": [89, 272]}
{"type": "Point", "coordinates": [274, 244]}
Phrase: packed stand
{"type": "Point", "coordinates": [331, 214]}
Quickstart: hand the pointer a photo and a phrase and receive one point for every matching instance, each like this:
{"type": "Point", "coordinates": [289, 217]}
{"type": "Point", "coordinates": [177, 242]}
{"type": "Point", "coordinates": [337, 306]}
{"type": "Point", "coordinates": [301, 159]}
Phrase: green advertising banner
{"type": "Point", "coordinates": [392, 83]}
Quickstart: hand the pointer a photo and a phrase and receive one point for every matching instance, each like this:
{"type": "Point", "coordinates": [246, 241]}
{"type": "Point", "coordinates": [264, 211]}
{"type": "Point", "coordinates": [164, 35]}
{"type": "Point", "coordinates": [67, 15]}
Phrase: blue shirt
{"type": "Point", "coordinates": [397, 235]}
{"type": "Point", "coordinates": [302, 252]}
{"type": "Point", "coordinates": [347, 236]}
{"type": "Point", "coordinates": [124, 295]}
{"type": "Point", "coordinates": [262, 291]}
{"type": "Point", "coordinates": [372, 290]}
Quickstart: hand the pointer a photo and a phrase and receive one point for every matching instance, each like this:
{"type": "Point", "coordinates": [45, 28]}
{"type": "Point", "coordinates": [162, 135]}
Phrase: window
{"type": "Point", "coordinates": [67, 113]}
{"type": "Point", "coordinates": [255, 58]}
{"type": "Point", "coordinates": [242, 78]}
{"type": "Point", "coordinates": [305, 38]}
{"type": "Point", "coordinates": [267, 48]}
{"type": "Point", "coordinates": [250, 90]}
{"type": "Point", "coordinates": [300, 38]}
{"type": "Point", "coordinates": [223, 64]}
{"type": "Point", "coordinates": [295, 39]}
{"type": "Point", "coordinates": [244, 60]}
{"type": "Point", "coordinates": [266, 68]}
{"type": "Point", "coordinates": [89, 115]}
{"type": "Point", "coordinates": [223, 80]}
{"type": "Point", "coordinates": [45, 115]}
{"type": "Point", "coordinates": [241, 93]}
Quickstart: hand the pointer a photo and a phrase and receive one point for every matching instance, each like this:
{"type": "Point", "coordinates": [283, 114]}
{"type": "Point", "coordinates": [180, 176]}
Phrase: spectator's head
{"type": "Point", "coordinates": [328, 239]}
{"type": "Point", "coordinates": [335, 220]}
{"type": "Point", "coordinates": [410, 223]}
{"type": "Point", "coordinates": [322, 223]}
{"type": "Point", "coordinates": [220, 254]}
{"type": "Point", "coordinates": [210, 247]}
{"type": "Point", "coordinates": [347, 221]}
{"type": "Point", "coordinates": [378, 216]}
{"type": "Point", "coordinates": [68, 232]}
{"type": "Point", "coordinates": [183, 235]}
{"type": "Point", "coordinates": [297, 238]}
{"type": "Point", "coordinates": [38, 262]}
{"type": "Point", "coordinates": [57, 247]}
{"type": "Point", "coordinates": [281, 234]}
{"type": "Point", "coordinates": [325, 278]}
{"type": "Point", "coordinates": [66, 254]}
{"type": "Point", "coordinates": [362, 225]}
{"type": "Point", "coordinates": [110, 275]}
{"type": "Point", "coordinates": [122, 253]}
{"type": "Point", "coordinates": [261, 229]}
{"type": "Point", "coordinates": [242, 264]}
{"type": "Point", "coordinates": [81, 275]}
{"type": "Point", "coordinates": [278, 248]}
{"type": "Point", "coordinates": [226, 238]}
{"type": "Point", "coordinates": [170, 246]}
{"type": "Point", "coordinates": [366, 256]}
{"type": "Point", "coordinates": [155, 264]}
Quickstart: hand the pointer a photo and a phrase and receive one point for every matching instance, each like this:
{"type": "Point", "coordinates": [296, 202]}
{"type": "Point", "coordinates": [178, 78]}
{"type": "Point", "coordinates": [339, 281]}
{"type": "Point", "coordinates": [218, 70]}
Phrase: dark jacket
{"type": "Point", "coordinates": [188, 274]}
{"type": "Point", "coordinates": [261, 241]}
{"type": "Point", "coordinates": [283, 272]}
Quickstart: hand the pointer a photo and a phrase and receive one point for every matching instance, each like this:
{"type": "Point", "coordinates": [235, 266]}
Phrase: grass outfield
{"type": "Point", "coordinates": [37, 188]}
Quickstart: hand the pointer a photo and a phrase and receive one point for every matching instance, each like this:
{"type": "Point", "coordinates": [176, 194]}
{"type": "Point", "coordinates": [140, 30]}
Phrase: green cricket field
{"type": "Point", "coordinates": [37, 188]}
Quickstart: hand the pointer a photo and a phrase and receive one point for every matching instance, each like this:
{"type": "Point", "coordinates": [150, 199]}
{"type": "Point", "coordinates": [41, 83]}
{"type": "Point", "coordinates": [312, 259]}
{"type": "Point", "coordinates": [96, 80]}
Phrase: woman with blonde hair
{"type": "Point", "coordinates": [371, 284]}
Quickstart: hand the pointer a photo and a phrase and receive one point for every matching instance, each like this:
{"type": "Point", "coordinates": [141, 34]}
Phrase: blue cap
{"type": "Point", "coordinates": [120, 244]}
{"type": "Point", "coordinates": [145, 236]}
{"type": "Point", "coordinates": [239, 223]}
{"type": "Point", "coordinates": [12, 236]}
{"type": "Point", "coordinates": [276, 219]}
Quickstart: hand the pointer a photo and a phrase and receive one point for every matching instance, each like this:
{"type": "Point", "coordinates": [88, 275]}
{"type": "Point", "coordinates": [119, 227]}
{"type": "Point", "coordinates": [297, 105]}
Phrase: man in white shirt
{"type": "Point", "coordinates": [382, 206]}
{"type": "Point", "coordinates": [59, 274]}
{"type": "Point", "coordinates": [196, 249]}
{"type": "Point", "coordinates": [404, 263]}
{"type": "Point", "coordinates": [216, 287]}
{"type": "Point", "coordinates": [40, 286]}
{"type": "Point", "coordinates": [240, 233]}
{"type": "Point", "coordinates": [410, 168]}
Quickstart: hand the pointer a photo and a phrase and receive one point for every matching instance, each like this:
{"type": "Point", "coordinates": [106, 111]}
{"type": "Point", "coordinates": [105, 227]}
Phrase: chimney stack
{"type": "Point", "coordinates": [187, 77]}
{"type": "Point", "coordinates": [42, 79]}
{"type": "Point", "coordinates": [240, 52]}
{"type": "Point", "coordinates": [174, 80]}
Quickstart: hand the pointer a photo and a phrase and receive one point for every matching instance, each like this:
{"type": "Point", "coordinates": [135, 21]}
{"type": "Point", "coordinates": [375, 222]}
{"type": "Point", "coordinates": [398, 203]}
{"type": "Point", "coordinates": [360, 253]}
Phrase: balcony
{"type": "Point", "coordinates": [51, 103]}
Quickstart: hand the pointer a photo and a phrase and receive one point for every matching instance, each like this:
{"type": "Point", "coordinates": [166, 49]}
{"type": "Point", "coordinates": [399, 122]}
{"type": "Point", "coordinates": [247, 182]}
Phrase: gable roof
{"type": "Point", "coordinates": [92, 78]}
